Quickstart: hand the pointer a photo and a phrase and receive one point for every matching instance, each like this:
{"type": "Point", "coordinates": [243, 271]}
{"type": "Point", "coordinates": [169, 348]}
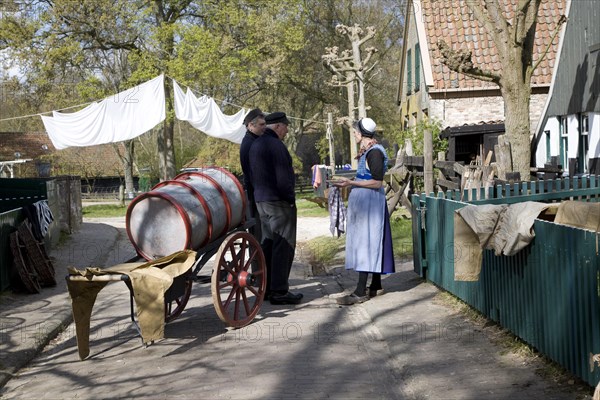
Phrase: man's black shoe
{"type": "Point", "coordinates": [286, 298]}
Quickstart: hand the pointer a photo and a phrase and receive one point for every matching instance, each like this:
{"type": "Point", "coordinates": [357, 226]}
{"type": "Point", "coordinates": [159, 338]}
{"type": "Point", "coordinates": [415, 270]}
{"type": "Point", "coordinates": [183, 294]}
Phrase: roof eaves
{"type": "Point", "coordinates": [543, 116]}
{"type": "Point", "coordinates": [423, 43]}
{"type": "Point", "coordinates": [472, 129]}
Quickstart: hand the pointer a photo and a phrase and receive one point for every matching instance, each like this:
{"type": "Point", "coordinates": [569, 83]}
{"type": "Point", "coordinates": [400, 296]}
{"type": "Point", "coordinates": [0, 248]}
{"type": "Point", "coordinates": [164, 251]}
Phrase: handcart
{"type": "Point", "coordinates": [238, 278]}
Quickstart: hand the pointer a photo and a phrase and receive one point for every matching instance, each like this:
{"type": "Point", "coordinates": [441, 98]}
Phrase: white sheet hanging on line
{"type": "Point", "coordinates": [123, 116]}
{"type": "Point", "coordinates": [205, 115]}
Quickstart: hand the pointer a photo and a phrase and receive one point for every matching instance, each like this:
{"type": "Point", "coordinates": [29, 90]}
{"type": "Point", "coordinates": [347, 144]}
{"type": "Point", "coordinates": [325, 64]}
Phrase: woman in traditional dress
{"type": "Point", "coordinates": [368, 233]}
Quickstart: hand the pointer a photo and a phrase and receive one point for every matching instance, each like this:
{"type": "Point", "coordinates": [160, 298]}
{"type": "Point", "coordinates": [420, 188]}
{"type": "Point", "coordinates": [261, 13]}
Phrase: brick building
{"type": "Point", "coordinates": [428, 88]}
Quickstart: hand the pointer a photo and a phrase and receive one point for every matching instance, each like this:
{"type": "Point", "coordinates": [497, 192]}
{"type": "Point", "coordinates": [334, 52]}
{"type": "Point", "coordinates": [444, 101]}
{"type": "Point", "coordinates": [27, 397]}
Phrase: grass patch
{"type": "Point", "coordinates": [324, 249]}
{"type": "Point", "coordinates": [104, 211]}
{"type": "Point", "coordinates": [402, 237]}
{"type": "Point", "coordinates": [307, 208]}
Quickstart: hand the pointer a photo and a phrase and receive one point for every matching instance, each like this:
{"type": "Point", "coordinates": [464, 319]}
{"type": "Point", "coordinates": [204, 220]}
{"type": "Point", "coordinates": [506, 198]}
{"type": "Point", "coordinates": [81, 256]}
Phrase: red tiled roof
{"type": "Point", "coordinates": [29, 145]}
{"type": "Point", "coordinates": [101, 160]}
{"type": "Point", "coordinates": [452, 21]}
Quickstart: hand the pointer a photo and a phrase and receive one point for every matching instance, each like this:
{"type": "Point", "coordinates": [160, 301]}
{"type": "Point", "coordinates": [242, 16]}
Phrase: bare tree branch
{"type": "Point", "coordinates": [493, 21]}
{"type": "Point", "coordinates": [559, 24]}
{"type": "Point", "coordinates": [525, 19]}
{"type": "Point", "coordinates": [461, 61]}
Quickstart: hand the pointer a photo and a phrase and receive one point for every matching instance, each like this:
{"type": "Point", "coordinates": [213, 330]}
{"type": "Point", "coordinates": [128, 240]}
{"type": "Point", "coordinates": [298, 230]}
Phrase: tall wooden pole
{"type": "Point", "coordinates": [349, 70]}
{"type": "Point", "coordinates": [330, 139]}
{"type": "Point", "coordinates": [352, 115]}
{"type": "Point", "coordinates": [428, 160]}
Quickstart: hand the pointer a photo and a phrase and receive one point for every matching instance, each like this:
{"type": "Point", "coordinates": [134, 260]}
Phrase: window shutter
{"type": "Point", "coordinates": [417, 68]}
{"type": "Point", "coordinates": [409, 81]}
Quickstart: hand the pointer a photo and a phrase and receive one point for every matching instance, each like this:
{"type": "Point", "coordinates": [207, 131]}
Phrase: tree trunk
{"type": "Point", "coordinates": [128, 168]}
{"type": "Point", "coordinates": [331, 143]}
{"type": "Point", "coordinates": [165, 17]}
{"type": "Point", "coordinates": [516, 94]}
{"type": "Point", "coordinates": [165, 141]}
{"type": "Point", "coordinates": [362, 109]}
{"type": "Point", "coordinates": [352, 115]}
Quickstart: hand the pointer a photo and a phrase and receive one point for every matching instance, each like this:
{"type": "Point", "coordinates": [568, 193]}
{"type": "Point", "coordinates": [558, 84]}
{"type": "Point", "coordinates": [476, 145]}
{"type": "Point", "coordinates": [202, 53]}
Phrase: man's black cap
{"type": "Point", "coordinates": [277, 117]}
{"type": "Point", "coordinates": [252, 114]}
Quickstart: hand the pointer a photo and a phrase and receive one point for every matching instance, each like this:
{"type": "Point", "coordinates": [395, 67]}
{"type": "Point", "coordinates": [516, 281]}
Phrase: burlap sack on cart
{"type": "Point", "coordinates": [149, 281]}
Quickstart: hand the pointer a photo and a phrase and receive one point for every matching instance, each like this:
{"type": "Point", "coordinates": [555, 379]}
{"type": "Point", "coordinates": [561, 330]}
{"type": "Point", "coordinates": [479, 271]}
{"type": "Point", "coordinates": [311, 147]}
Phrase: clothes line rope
{"type": "Point", "coordinates": [195, 89]}
{"type": "Point", "coordinates": [47, 112]}
{"type": "Point", "coordinates": [94, 101]}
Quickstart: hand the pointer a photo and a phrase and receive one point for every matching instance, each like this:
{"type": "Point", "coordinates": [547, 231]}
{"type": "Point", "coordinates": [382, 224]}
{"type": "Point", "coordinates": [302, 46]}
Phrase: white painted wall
{"type": "Point", "coordinates": [573, 124]}
{"type": "Point", "coordinates": [553, 126]}
{"type": "Point", "coordinates": [594, 134]}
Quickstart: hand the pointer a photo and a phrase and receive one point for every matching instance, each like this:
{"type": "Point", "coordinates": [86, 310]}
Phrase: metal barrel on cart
{"type": "Point", "coordinates": [204, 211]}
{"type": "Point", "coordinates": [188, 212]}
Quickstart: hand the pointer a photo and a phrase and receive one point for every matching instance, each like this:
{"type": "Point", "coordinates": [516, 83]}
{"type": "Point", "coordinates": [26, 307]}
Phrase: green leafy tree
{"type": "Point", "coordinates": [416, 134]}
{"type": "Point", "coordinates": [250, 53]}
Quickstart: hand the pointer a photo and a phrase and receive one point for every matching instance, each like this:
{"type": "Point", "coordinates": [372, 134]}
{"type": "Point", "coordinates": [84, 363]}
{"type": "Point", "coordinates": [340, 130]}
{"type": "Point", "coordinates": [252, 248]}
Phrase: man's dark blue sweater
{"type": "Point", "coordinates": [272, 172]}
{"type": "Point", "coordinates": [245, 146]}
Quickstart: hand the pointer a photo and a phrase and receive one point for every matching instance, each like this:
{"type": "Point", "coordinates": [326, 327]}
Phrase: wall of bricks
{"type": "Point", "coordinates": [469, 111]}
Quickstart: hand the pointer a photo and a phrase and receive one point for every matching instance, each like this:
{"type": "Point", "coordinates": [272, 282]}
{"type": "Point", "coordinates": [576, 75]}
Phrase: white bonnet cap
{"type": "Point", "coordinates": [367, 126]}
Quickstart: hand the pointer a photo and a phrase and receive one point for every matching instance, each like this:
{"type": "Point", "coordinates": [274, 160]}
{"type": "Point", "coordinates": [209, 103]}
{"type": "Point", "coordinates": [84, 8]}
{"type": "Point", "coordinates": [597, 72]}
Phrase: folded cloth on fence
{"type": "Point", "coordinates": [579, 214]}
{"type": "Point", "coordinates": [506, 229]}
{"type": "Point", "coordinates": [149, 281]}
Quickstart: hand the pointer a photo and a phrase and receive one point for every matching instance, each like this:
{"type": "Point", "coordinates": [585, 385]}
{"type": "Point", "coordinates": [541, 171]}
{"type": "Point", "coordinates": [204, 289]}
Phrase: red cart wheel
{"type": "Point", "coordinates": [177, 296]}
{"type": "Point", "coordinates": [239, 279]}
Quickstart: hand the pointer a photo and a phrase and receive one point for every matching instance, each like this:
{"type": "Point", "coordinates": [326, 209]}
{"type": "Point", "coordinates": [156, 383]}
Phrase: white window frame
{"type": "Point", "coordinates": [564, 126]}
{"type": "Point", "coordinates": [584, 123]}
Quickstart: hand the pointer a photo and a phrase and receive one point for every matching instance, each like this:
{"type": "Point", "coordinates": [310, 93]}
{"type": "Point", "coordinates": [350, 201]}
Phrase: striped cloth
{"type": "Point", "coordinates": [44, 216]}
{"type": "Point", "coordinates": [337, 211]}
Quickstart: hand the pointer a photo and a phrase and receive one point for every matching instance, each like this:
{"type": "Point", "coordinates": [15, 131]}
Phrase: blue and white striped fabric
{"type": "Point", "coordinates": [44, 215]}
{"type": "Point", "coordinates": [337, 212]}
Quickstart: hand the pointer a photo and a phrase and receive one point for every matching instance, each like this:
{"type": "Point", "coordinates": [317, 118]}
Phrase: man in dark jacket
{"type": "Point", "coordinates": [255, 126]}
{"type": "Point", "coordinates": [274, 182]}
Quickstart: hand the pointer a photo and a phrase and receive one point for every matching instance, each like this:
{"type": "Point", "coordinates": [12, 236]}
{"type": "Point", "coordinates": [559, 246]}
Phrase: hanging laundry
{"type": "Point", "coordinates": [337, 211]}
{"type": "Point", "coordinates": [123, 116]}
{"type": "Point", "coordinates": [40, 217]}
{"type": "Point", "coordinates": [44, 215]}
{"type": "Point", "coordinates": [205, 115]}
{"type": "Point", "coordinates": [316, 176]}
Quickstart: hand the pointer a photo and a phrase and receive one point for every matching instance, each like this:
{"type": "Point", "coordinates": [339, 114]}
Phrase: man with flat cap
{"type": "Point", "coordinates": [274, 183]}
{"type": "Point", "coordinates": [255, 127]}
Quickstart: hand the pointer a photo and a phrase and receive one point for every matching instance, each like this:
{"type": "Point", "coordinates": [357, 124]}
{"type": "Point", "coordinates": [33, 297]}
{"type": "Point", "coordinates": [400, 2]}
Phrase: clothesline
{"type": "Point", "coordinates": [241, 107]}
{"type": "Point", "coordinates": [46, 112]}
{"type": "Point", "coordinates": [94, 101]}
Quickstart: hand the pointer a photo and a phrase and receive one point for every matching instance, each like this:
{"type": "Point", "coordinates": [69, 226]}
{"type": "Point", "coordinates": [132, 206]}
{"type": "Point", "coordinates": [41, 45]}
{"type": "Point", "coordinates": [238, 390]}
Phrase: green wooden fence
{"type": "Point", "coordinates": [8, 222]}
{"type": "Point", "coordinates": [14, 194]}
{"type": "Point", "coordinates": [548, 294]}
